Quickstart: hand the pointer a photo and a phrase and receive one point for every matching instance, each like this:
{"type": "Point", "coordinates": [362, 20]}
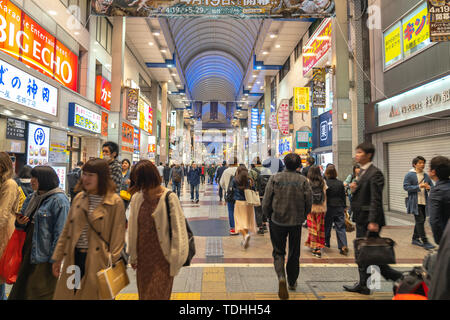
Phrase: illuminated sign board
{"type": "Point", "coordinates": [85, 119]}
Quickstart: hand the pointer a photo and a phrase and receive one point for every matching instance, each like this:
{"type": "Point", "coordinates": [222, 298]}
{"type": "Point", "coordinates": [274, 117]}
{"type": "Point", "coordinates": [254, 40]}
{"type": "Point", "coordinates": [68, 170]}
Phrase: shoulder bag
{"type": "Point", "coordinates": [191, 241]}
{"type": "Point", "coordinates": [252, 198]}
{"type": "Point", "coordinates": [374, 251]}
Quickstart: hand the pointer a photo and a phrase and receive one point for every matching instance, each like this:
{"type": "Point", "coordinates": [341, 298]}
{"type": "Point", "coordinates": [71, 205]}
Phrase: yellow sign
{"type": "Point", "coordinates": [141, 114]}
{"type": "Point", "coordinates": [393, 45]}
{"type": "Point", "coordinates": [301, 99]}
{"type": "Point", "coordinates": [416, 30]}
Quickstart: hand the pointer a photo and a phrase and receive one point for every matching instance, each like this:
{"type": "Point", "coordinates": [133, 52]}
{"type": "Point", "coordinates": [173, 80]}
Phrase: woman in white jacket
{"type": "Point", "coordinates": [156, 254]}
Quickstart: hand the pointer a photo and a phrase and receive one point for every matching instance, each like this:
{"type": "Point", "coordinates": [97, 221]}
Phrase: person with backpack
{"type": "Point", "coordinates": [176, 175]}
{"type": "Point", "coordinates": [166, 174]}
{"type": "Point", "coordinates": [287, 201]}
{"type": "Point", "coordinates": [260, 175]}
{"type": "Point", "coordinates": [72, 178]}
{"type": "Point", "coordinates": [225, 183]}
{"type": "Point", "coordinates": [276, 165]}
{"type": "Point", "coordinates": [316, 218]}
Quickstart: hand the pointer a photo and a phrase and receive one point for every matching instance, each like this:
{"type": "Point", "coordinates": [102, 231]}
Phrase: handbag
{"type": "Point", "coordinates": [191, 241]}
{"type": "Point", "coordinates": [252, 198]}
{"type": "Point", "coordinates": [349, 227]}
{"type": "Point", "coordinates": [12, 257]}
{"type": "Point", "coordinates": [112, 280]}
{"type": "Point", "coordinates": [374, 251]}
{"type": "Point", "coordinates": [125, 195]}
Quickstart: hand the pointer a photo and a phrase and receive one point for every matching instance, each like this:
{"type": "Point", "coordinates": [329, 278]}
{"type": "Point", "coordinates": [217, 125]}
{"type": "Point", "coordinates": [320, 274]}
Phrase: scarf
{"type": "Point", "coordinates": [37, 199]}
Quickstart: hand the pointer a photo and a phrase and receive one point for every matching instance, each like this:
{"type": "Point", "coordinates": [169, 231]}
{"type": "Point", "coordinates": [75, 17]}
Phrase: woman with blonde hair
{"type": "Point", "coordinates": [93, 236]}
{"type": "Point", "coordinates": [9, 204]}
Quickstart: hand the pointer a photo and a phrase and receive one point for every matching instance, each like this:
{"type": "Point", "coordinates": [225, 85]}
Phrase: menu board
{"type": "Point", "coordinates": [15, 129]}
{"type": "Point", "coordinates": [61, 172]}
{"type": "Point", "coordinates": [38, 144]}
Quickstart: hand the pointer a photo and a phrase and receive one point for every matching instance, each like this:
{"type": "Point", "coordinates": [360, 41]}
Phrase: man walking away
{"type": "Point", "coordinates": [161, 171]}
{"type": "Point", "coordinates": [73, 177]}
{"type": "Point", "coordinates": [417, 183]}
{"type": "Point", "coordinates": [110, 152]}
{"type": "Point", "coordinates": [176, 175]}
{"type": "Point", "coordinates": [219, 173]}
{"type": "Point", "coordinates": [368, 213]}
{"type": "Point", "coordinates": [260, 176]}
{"type": "Point", "coordinates": [439, 198]}
{"type": "Point", "coordinates": [166, 174]}
{"type": "Point", "coordinates": [224, 183]}
{"type": "Point", "coordinates": [310, 161]}
{"type": "Point", "coordinates": [194, 181]}
{"type": "Point", "coordinates": [275, 164]}
{"type": "Point", "coordinates": [287, 200]}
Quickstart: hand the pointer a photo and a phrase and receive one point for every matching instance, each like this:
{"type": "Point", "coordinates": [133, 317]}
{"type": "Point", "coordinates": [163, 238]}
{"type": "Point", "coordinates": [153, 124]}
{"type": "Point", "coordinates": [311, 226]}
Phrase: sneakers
{"type": "Point", "coordinates": [283, 293]}
{"type": "Point", "coordinates": [196, 201]}
{"type": "Point", "coordinates": [428, 246]}
{"type": "Point", "coordinates": [317, 253]}
{"type": "Point", "coordinates": [233, 232]}
{"type": "Point", "coordinates": [261, 231]}
{"type": "Point", "coordinates": [343, 251]}
{"type": "Point", "coordinates": [246, 241]}
{"type": "Point", "coordinates": [417, 242]}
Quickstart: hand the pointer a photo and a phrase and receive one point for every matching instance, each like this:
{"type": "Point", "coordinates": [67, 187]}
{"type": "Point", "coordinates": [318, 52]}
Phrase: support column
{"type": "Point", "coordinates": [267, 103]}
{"type": "Point", "coordinates": [342, 129]}
{"type": "Point", "coordinates": [164, 107]}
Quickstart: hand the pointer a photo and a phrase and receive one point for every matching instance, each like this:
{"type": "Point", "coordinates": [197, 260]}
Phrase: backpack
{"type": "Point", "coordinates": [317, 195]}
{"type": "Point", "coordinates": [176, 176]}
{"type": "Point", "coordinates": [191, 241]}
{"type": "Point", "coordinates": [229, 195]}
{"type": "Point", "coordinates": [262, 182]}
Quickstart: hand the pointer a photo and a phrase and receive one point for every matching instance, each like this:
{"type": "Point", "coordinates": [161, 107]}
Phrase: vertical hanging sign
{"type": "Point", "coordinates": [301, 99]}
{"type": "Point", "coordinates": [283, 117]}
{"type": "Point", "coordinates": [439, 11]}
{"type": "Point", "coordinates": [132, 103]}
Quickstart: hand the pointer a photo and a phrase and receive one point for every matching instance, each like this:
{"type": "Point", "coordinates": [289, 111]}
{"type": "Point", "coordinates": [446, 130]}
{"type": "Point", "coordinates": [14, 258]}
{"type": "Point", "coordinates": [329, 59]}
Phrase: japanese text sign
{"type": "Point", "coordinates": [38, 145]}
{"type": "Point", "coordinates": [439, 20]}
{"type": "Point", "coordinates": [317, 46]}
{"type": "Point", "coordinates": [326, 129]}
{"type": "Point", "coordinates": [132, 103]}
{"type": "Point", "coordinates": [103, 92]}
{"type": "Point", "coordinates": [20, 87]}
{"type": "Point", "coordinates": [137, 138]}
{"type": "Point", "coordinates": [127, 133]}
{"type": "Point", "coordinates": [301, 99]}
{"type": "Point", "coordinates": [283, 117]}
{"type": "Point", "coordinates": [22, 38]}
{"type": "Point", "coordinates": [85, 119]}
{"type": "Point", "coordinates": [416, 30]}
{"type": "Point", "coordinates": [105, 117]}
{"type": "Point", "coordinates": [393, 44]}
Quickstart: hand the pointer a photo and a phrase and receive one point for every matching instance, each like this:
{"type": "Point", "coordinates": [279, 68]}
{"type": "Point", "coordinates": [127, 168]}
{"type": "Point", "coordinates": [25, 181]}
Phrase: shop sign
{"type": "Point", "coordinates": [127, 133]}
{"type": "Point", "coordinates": [439, 20]}
{"type": "Point", "coordinates": [301, 99]}
{"type": "Point", "coordinates": [22, 88]}
{"type": "Point", "coordinates": [273, 122]}
{"type": "Point", "coordinates": [319, 88]}
{"type": "Point", "coordinates": [326, 129]}
{"type": "Point", "coordinates": [132, 103]}
{"type": "Point", "coordinates": [38, 144]}
{"type": "Point", "coordinates": [105, 117]}
{"type": "Point", "coordinates": [283, 117]}
{"type": "Point", "coordinates": [424, 100]}
{"type": "Point", "coordinates": [128, 149]}
{"type": "Point", "coordinates": [15, 129]}
{"type": "Point", "coordinates": [80, 117]}
{"type": "Point", "coordinates": [416, 30]}
{"type": "Point", "coordinates": [304, 140]}
{"type": "Point", "coordinates": [254, 122]}
{"type": "Point", "coordinates": [213, 8]}
{"type": "Point", "coordinates": [61, 173]}
{"type": "Point", "coordinates": [137, 138]}
{"type": "Point", "coordinates": [25, 40]}
{"type": "Point", "coordinates": [393, 44]}
{"type": "Point", "coordinates": [285, 145]}
{"type": "Point", "coordinates": [58, 153]}
{"type": "Point", "coordinates": [173, 119]}
{"type": "Point", "coordinates": [317, 46]}
{"type": "Point", "coordinates": [145, 116]}
{"type": "Point", "coordinates": [103, 92]}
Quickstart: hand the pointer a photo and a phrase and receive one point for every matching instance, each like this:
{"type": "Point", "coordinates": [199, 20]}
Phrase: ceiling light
{"type": "Point", "coordinates": [277, 46]}
{"type": "Point", "coordinates": [262, 88]}
{"type": "Point", "coordinates": [150, 43]}
{"type": "Point", "coordinates": [254, 76]}
{"type": "Point", "coordinates": [53, 12]}
{"type": "Point", "coordinates": [258, 82]}
{"type": "Point", "coordinates": [156, 33]}
{"type": "Point", "coordinates": [249, 87]}
{"type": "Point", "coordinates": [76, 33]}
{"type": "Point", "coordinates": [174, 74]}
{"type": "Point", "coordinates": [265, 52]}
{"type": "Point", "coordinates": [258, 68]}
{"type": "Point", "coordinates": [273, 35]}
{"type": "Point", "coordinates": [163, 51]}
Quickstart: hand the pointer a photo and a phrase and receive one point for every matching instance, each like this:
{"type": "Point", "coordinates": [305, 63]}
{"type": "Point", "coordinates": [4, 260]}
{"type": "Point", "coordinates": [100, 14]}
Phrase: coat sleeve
{"type": "Point", "coordinates": [61, 210]}
{"type": "Point", "coordinates": [58, 252]}
{"type": "Point", "coordinates": [376, 194]}
{"type": "Point", "coordinates": [117, 236]}
{"type": "Point", "coordinates": [9, 199]}
{"type": "Point", "coordinates": [179, 248]}
{"type": "Point", "coordinates": [409, 185]}
{"type": "Point", "coordinates": [307, 198]}
{"type": "Point", "coordinates": [434, 210]}
{"type": "Point", "coordinates": [222, 181]}
{"type": "Point", "coordinates": [268, 198]}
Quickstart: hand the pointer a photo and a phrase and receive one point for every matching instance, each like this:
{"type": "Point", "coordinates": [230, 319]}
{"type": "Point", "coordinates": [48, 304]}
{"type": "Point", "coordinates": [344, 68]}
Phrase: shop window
{"type": "Point", "coordinates": [82, 4]}
{"type": "Point", "coordinates": [285, 69]}
{"type": "Point", "coordinates": [104, 33]}
{"type": "Point", "coordinates": [298, 49]}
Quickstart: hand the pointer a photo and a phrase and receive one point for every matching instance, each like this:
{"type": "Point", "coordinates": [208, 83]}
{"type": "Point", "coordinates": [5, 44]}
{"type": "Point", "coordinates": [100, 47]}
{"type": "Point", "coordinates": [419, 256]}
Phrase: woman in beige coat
{"type": "Point", "coordinates": [79, 245]}
{"type": "Point", "coordinates": [9, 205]}
{"type": "Point", "coordinates": [155, 254]}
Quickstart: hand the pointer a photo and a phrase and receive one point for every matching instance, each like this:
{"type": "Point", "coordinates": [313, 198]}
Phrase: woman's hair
{"type": "Point", "coordinates": [331, 172]}
{"type": "Point", "coordinates": [315, 177]}
{"type": "Point", "coordinates": [144, 176]}
{"type": "Point", "coordinates": [242, 179]}
{"type": "Point", "coordinates": [356, 166]}
{"type": "Point", "coordinates": [100, 167]}
{"type": "Point", "coordinates": [6, 167]}
{"type": "Point", "coordinates": [46, 177]}
{"type": "Point", "coordinates": [25, 172]}
{"type": "Point", "coordinates": [126, 160]}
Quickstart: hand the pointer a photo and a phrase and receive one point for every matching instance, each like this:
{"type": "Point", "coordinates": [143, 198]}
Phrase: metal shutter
{"type": "Point", "coordinates": [400, 155]}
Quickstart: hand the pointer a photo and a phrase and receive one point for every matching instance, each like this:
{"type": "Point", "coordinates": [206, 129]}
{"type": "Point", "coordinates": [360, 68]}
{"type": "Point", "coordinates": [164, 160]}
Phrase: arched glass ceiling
{"type": "Point", "coordinates": [214, 54]}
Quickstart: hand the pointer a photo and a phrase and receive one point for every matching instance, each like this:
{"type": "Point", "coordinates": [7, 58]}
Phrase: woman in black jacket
{"type": "Point", "coordinates": [335, 210]}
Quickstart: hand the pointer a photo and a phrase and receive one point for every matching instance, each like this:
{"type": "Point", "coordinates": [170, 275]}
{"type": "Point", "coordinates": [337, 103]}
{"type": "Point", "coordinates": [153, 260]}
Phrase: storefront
{"type": "Point", "coordinates": [322, 142]}
{"type": "Point", "coordinates": [409, 124]}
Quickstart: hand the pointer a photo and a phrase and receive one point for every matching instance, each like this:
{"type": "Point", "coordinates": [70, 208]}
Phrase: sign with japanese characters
{"type": "Point", "coordinates": [103, 92]}
{"type": "Point", "coordinates": [22, 88]}
{"type": "Point", "coordinates": [15, 129]}
{"type": "Point", "coordinates": [427, 99]}
{"type": "Point", "coordinates": [234, 8]}
{"type": "Point", "coordinates": [137, 138]}
{"type": "Point", "coordinates": [283, 117]}
{"type": "Point", "coordinates": [145, 116]}
{"type": "Point", "coordinates": [105, 117]}
{"type": "Point", "coordinates": [326, 129]}
{"type": "Point", "coordinates": [25, 40]}
{"type": "Point", "coordinates": [301, 99]}
{"type": "Point", "coordinates": [127, 133]}
{"type": "Point", "coordinates": [393, 45]}
{"type": "Point", "coordinates": [132, 103]}
{"type": "Point", "coordinates": [273, 122]}
{"type": "Point", "coordinates": [439, 20]}
{"type": "Point", "coordinates": [61, 172]}
{"type": "Point", "coordinates": [285, 145]}
{"type": "Point", "coordinates": [317, 46]}
{"type": "Point", "coordinates": [85, 119]}
{"type": "Point", "coordinates": [38, 145]}
{"type": "Point", "coordinates": [319, 88]}
{"type": "Point", "coordinates": [416, 30]}
{"type": "Point", "coordinates": [303, 140]}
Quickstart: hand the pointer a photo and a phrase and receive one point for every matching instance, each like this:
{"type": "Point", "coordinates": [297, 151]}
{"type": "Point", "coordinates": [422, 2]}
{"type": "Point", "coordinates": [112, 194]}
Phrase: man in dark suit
{"type": "Point", "coordinates": [368, 213]}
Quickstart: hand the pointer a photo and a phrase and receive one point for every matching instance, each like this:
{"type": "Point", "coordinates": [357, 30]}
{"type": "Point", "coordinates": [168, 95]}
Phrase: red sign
{"type": "Point", "coordinates": [103, 92]}
{"type": "Point", "coordinates": [283, 117]}
{"type": "Point", "coordinates": [152, 148]}
{"type": "Point", "coordinates": [25, 40]}
{"type": "Point", "coordinates": [104, 124]}
{"type": "Point", "coordinates": [127, 133]}
{"type": "Point", "coordinates": [317, 46]}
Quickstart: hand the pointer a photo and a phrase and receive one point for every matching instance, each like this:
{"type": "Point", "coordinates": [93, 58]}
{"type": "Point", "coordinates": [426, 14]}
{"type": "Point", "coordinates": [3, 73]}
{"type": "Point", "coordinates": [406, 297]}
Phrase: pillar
{"type": "Point", "coordinates": [267, 104]}
{"type": "Point", "coordinates": [164, 109]}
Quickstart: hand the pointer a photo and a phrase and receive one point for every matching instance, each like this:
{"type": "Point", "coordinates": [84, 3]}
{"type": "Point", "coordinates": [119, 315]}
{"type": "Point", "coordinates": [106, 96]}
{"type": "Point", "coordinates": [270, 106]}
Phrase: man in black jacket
{"type": "Point", "coordinates": [166, 174]}
{"type": "Point", "coordinates": [219, 173]}
{"type": "Point", "coordinates": [368, 213]}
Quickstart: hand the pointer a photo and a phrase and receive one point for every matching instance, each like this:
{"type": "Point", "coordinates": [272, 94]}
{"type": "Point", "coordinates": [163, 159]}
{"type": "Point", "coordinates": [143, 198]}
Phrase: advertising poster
{"type": "Point", "coordinates": [283, 117]}
{"type": "Point", "coordinates": [105, 117]}
{"type": "Point", "coordinates": [317, 46]}
{"type": "Point", "coordinates": [132, 103]}
{"type": "Point", "coordinates": [416, 30]}
{"type": "Point", "coordinates": [83, 118]}
{"type": "Point", "coordinates": [61, 172]}
{"type": "Point", "coordinates": [319, 88]}
{"type": "Point", "coordinates": [285, 146]}
{"type": "Point", "coordinates": [25, 40]}
{"type": "Point", "coordinates": [204, 8]}
{"type": "Point", "coordinates": [326, 129]}
{"type": "Point", "coordinates": [103, 92]}
{"type": "Point", "coordinates": [127, 133]}
{"type": "Point", "coordinates": [301, 99]}
{"type": "Point", "coordinates": [439, 20]}
{"type": "Point", "coordinates": [38, 145]}
{"type": "Point", "coordinates": [393, 45]}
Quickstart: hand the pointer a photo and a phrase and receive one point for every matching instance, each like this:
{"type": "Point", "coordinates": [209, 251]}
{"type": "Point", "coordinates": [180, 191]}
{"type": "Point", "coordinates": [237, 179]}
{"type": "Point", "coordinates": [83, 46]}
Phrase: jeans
{"type": "Point", "coordinates": [196, 190]}
{"type": "Point", "coordinates": [166, 182]}
{"type": "Point", "coordinates": [230, 206]}
{"type": "Point", "coordinates": [220, 193]}
{"type": "Point", "coordinates": [2, 292]}
{"type": "Point", "coordinates": [419, 228]}
{"type": "Point", "coordinates": [278, 237]}
{"type": "Point", "coordinates": [176, 187]}
{"type": "Point", "coordinates": [259, 216]}
{"type": "Point", "coordinates": [202, 177]}
{"type": "Point", "coordinates": [386, 271]}
{"type": "Point", "coordinates": [336, 215]}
